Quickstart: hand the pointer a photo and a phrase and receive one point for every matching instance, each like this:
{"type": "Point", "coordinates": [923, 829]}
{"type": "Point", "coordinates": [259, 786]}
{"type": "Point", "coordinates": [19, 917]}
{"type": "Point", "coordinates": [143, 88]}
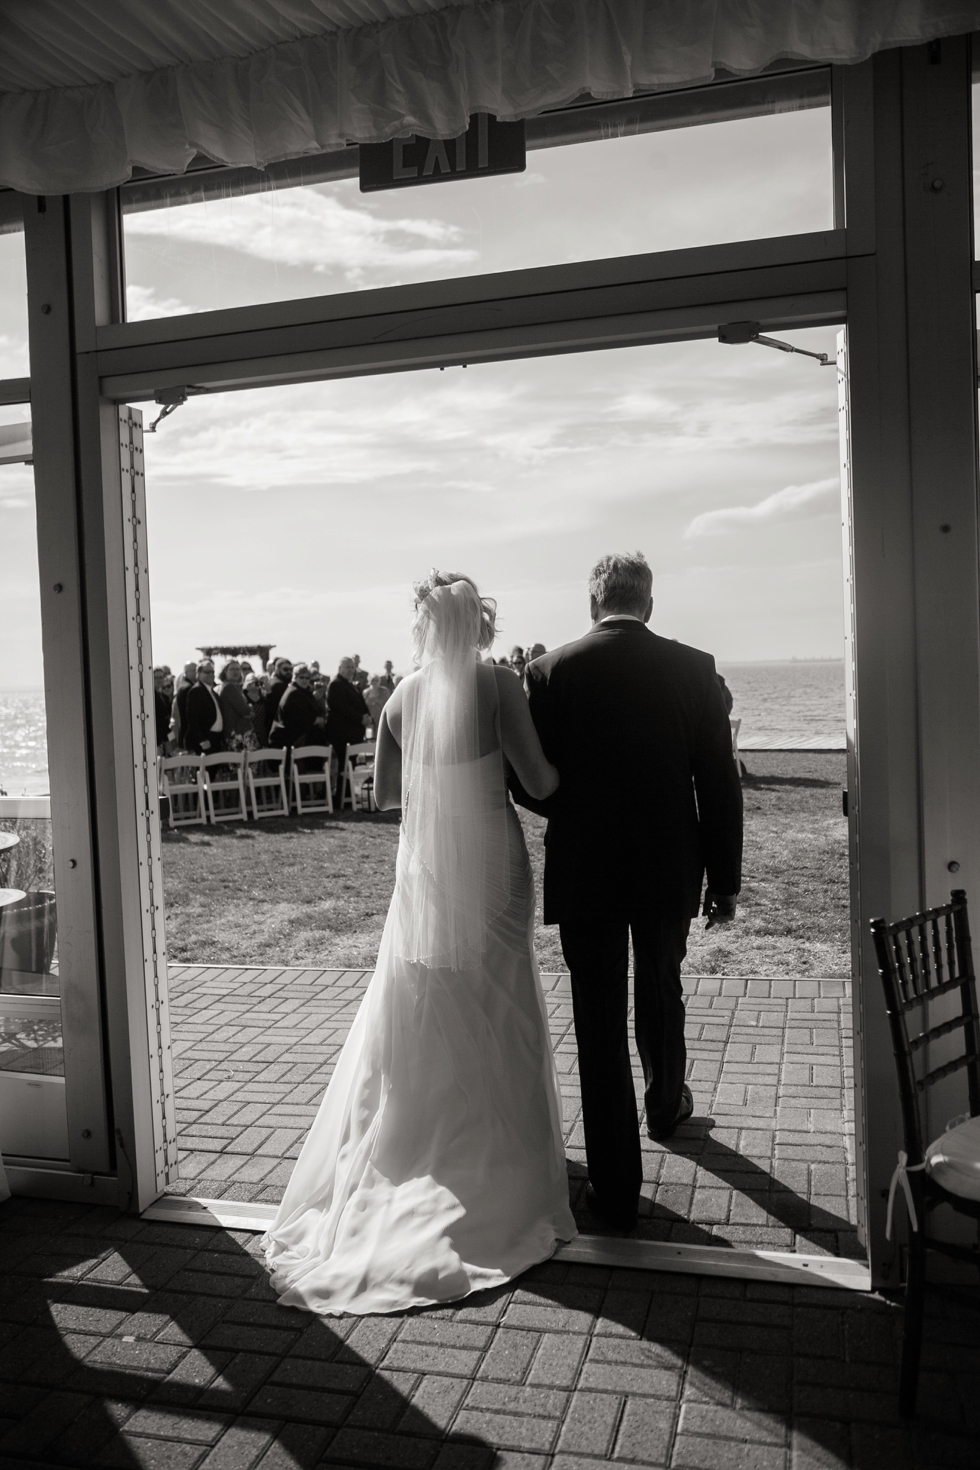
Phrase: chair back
{"type": "Point", "coordinates": [920, 959]}
{"type": "Point", "coordinates": [312, 790]}
{"type": "Point", "coordinates": [224, 786]}
{"type": "Point", "coordinates": [265, 772]}
{"type": "Point", "coordinates": [184, 788]}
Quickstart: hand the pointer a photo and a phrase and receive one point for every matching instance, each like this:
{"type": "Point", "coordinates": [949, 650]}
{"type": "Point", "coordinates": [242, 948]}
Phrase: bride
{"type": "Point", "coordinates": [435, 1165]}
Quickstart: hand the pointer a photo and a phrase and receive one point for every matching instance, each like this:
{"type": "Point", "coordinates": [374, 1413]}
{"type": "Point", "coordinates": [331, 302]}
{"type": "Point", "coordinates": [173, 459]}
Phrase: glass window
{"type": "Point", "coordinates": [13, 298]}
{"type": "Point", "coordinates": [33, 1119]}
{"type": "Point", "coordinates": [622, 191]}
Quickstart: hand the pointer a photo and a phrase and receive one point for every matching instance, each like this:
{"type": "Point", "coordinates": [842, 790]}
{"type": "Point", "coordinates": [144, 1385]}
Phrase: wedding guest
{"type": "Point", "coordinates": [162, 707]}
{"type": "Point", "coordinates": [254, 691]}
{"type": "Point", "coordinates": [185, 682]}
{"type": "Point", "coordinates": [347, 718]}
{"type": "Point", "coordinates": [205, 722]}
{"type": "Point", "coordinates": [517, 660]}
{"type": "Point", "coordinates": [299, 720]}
{"type": "Point", "coordinates": [535, 651]}
{"type": "Point", "coordinates": [282, 673]}
{"type": "Point", "coordinates": [376, 696]}
{"type": "Point", "coordinates": [387, 679]}
{"type": "Point", "coordinates": [247, 670]}
{"type": "Point", "coordinates": [319, 691]}
{"type": "Point", "coordinates": [236, 712]}
{"type": "Point", "coordinates": [360, 679]}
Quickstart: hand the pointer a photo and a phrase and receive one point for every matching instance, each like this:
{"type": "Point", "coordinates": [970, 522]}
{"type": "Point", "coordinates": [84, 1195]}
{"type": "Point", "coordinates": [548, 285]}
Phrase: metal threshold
{"type": "Point", "coordinates": [787, 1267]}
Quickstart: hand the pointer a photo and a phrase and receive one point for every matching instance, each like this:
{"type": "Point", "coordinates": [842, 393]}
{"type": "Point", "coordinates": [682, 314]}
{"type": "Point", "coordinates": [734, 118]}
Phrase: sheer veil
{"type": "Point", "coordinates": [454, 817]}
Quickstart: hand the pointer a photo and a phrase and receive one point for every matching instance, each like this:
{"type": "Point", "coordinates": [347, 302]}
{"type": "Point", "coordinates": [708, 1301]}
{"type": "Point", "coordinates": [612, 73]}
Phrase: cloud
{"type": "Point", "coordinates": [795, 502]}
{"type": "Point", "coordinates": [304, 227]}
{"type": "Point", "coordinates": [142, 304]}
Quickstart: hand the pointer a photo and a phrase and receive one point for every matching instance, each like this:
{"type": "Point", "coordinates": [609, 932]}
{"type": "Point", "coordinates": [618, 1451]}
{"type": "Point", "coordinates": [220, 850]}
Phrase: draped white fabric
{"type": "Point", "coordinates": [89, 89]}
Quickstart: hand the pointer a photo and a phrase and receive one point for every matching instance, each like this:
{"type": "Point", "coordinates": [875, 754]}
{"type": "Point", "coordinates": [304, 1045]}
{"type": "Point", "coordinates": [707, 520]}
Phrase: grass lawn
{"type": "Point", "coordinates": [315, 890]}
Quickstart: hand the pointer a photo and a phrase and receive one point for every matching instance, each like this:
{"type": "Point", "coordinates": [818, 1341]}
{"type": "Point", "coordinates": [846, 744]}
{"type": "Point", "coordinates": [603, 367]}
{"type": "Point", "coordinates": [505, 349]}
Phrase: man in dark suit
{"type": "Point", "coordinates": [205, 722]}
{"type": "Point", "coordinates": [637, 819]}
{"type": "Point", "coordinates": [347, 717]}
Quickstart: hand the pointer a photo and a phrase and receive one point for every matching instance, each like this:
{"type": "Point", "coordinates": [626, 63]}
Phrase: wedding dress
{"type": "Point", "coordinates": [435, 1166]}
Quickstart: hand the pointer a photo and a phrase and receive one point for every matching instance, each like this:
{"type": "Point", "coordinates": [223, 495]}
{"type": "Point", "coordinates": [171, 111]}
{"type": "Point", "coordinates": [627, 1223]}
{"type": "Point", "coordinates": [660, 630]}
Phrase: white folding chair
{"type": "Point", "coordinates": [183, 787]}
{"type": "Point", "coordinates": [359, 777]}
{"type": "Point", "coordinates": [224, 786]}
{"type": "Point", "coordinates": [267, 787]}
{"type": "Point", "coordinates": [309, 781]}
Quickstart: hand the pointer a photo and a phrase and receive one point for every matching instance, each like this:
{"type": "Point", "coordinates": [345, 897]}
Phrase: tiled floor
{"type": "Point", "coordinates": [767, 1160]}
{"type": "Point", "coordinates": [124, 1343]}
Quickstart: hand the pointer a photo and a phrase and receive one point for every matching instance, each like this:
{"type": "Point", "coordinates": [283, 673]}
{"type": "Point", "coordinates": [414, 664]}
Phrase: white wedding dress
{"type": "Point", "coordinates": [435, 1166]}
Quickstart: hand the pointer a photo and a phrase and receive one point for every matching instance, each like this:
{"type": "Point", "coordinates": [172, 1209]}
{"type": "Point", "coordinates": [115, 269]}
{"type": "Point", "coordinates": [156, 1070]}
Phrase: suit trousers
{"type": "Point", "coordinates": [597, 955]}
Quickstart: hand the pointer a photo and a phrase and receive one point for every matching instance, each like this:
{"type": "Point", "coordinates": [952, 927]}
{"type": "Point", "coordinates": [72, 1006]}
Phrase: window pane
{"type": "Point", "coordinates": [622, 195]}
{"type": "Point", "coordinates": [13, 306]}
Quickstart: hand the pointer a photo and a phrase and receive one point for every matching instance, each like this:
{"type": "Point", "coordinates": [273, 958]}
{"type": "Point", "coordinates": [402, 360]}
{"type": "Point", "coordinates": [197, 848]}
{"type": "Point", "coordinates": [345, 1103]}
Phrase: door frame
{"type": "Point", "coordinates": [899, 121]}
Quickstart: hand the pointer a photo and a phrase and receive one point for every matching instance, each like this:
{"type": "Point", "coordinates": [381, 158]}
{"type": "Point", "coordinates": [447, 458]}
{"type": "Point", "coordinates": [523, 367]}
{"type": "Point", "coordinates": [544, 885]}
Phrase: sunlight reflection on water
{"type": "Point", "coordinates": [23, 743]}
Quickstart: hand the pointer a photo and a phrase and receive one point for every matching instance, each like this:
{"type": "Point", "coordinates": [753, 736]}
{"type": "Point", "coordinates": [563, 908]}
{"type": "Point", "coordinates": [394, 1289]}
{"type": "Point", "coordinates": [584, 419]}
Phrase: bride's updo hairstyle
{"type": "Point", "coordinates": [450, 610]}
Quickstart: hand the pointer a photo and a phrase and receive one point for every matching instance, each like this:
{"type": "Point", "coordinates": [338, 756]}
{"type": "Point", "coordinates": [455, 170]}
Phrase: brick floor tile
{"type": "Point", "coordinates": [543, 1318]}
{"type": "Point", "coordinates": [434, 1402]}
{"type": "Point", "coordinates": [509, 1355]}
{"type": "Point", "coordinates": [512, 1398]}
{"type": "Point", "coordinates": [819, 1444]}
{"type": "Point", "coordinates": [183, 1424]}
{"type": "Point", "coordinates": [125, 1451]}
{"type": "Point", "coordinates": [295, 1446]}
{"type": "Point", "coordinates": [558, 1360]}
{"type": "Point", "coordinates": [455, 1455]}
{"type": "Point", "coordinates": [623, 1378]}
{"type": "Point", "coordinates": [156, 1358]}
{"type": "Point", "coordinates": [370, 1447]}
{"type": "Point", "coordinates": [317, 1373]}
{"type": "Point", "coordinates": [417, 1357]}
{"type": "Point", "coordinates": [383, 1402]}
{"type": "Point", "coordinates": [279, 1401]}
{"type": "Point", "coordinates": [722, 1454]}
{"type": "Point", "coordinates": [509, 1431]}
{"type": "Point", "coordinates": [428, 1329]}
{"type": "Point", "coordinates": [369, 1340]}
{"type": "Point", "coordinates": [645, 1432]}
{"type": "Point", "coordinates": [48, 1418]}
{"type": "Point", "coordinates": [241, 1445]}
{"type": "Point", "coordinates": [590, 1423]}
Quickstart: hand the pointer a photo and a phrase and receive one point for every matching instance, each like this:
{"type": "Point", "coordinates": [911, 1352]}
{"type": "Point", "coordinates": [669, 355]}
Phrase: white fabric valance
{"type": "Point", "coordinates": [91, 89]}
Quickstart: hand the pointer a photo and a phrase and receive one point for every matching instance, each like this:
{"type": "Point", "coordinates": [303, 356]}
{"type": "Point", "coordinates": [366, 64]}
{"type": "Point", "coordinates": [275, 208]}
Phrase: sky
{"type": "Point", "coordinates": [301, 515]}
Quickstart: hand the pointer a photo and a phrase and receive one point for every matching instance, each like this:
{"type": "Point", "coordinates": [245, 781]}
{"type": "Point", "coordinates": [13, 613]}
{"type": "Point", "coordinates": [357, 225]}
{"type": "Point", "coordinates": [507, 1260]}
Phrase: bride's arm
{"type": "Point", "coordinates": [520, 739]}
{"type": "Point", "coordinates": [388, 759]}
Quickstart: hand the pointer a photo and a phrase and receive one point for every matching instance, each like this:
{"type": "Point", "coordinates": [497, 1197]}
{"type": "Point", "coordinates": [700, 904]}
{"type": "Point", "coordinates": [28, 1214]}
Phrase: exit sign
{"type": "Point", "coordinates": [487, 147]}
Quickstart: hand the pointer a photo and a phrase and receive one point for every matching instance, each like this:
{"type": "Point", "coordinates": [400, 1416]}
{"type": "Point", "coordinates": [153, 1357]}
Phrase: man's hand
{"type": "Point", "coordinates": [718, 908]}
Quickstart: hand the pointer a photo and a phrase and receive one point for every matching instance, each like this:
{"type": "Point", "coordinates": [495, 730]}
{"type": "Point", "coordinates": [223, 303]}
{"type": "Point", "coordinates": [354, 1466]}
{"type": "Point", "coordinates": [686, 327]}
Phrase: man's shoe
{"type": "Point", "coordinates": [684, 1111]}
{"type": "Point", "coordinates": [624, 1222]}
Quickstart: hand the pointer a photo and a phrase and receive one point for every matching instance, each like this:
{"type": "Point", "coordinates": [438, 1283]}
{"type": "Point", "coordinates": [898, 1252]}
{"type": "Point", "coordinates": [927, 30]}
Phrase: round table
{"type": "Point", "coordinates": [10, 895]}
{"type": "Point", "coordinates": [8, 840]}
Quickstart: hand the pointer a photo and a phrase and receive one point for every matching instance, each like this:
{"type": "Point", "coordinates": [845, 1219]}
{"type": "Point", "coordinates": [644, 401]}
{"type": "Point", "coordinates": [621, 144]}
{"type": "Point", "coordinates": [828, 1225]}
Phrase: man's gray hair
{"type": "Point", "coordinates": [622, 583]}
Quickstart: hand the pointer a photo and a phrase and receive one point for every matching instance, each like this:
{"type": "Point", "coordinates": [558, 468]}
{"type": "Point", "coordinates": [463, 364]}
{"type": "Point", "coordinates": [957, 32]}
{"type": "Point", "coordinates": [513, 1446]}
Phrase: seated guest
{"type": "Point", "coordinates": [376, 696]}
{"type": "Point", "coordinates": [205, 722]}
{"type": "Point", "coordinates": [347, 718]}
{"type": "Point", "coordinates": [282, 673]}
{"type": "Point", "coordinates": [254, 691]}
{"type": "Point", "coordinates": [185, 682]}
{"type": "Point", "coordinates": [388, 677]}
{"type": "Point", "coordinates": [236, 712]}
{"type": "Point", "coordinates": [299, 720]}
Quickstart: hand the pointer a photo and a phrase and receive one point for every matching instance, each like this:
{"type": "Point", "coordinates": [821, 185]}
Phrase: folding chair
{"type": "Point", "coordinates": [920, 960]}
{"type": "Point", "coordinates": [224, 786]}
{"type": "Point", "coordinates": [310, 780]}
{"type": "Point", "coordinates": [184, 788]}
{"type": "Point", "coordinates": [359, 777]}
{"type": "Point", "coordinates": [267, 787]}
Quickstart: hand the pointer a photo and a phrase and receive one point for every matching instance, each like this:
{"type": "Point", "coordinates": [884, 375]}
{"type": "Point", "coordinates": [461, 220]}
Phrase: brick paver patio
{"type": "Point", "coordinates": [766, 1162]}
{"type": "Point", "coordinates": [126, 1343]}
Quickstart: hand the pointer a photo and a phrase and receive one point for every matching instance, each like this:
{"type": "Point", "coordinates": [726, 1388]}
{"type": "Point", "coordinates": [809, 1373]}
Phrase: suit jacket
{"type": "Point", "coordinates": [201, 712]}
{"type": "Point", "coordinates": [162, 707]}
{"type": "Point", "coordinates": [650, 795]}
{"type": "Point", "coordinates": [345, 721]}
{"type": "Point", "coordinates": [277, 689]}
{"type": "Point", "coordinates": [298, 714]}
